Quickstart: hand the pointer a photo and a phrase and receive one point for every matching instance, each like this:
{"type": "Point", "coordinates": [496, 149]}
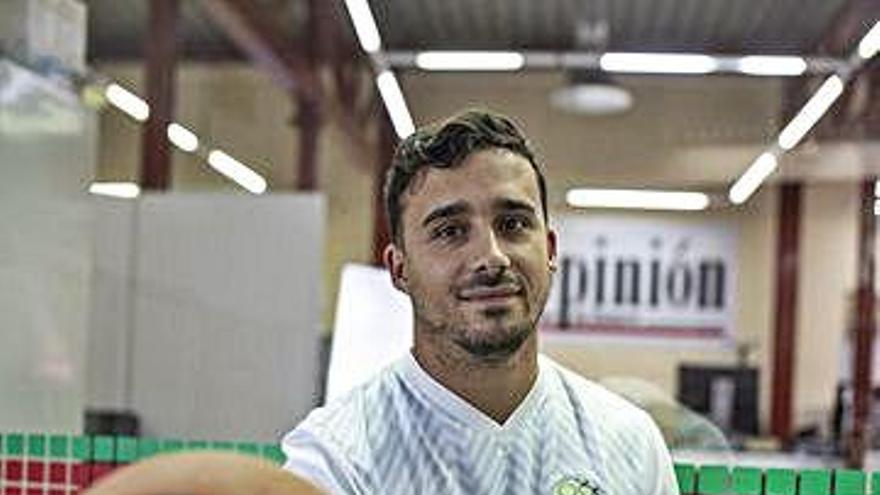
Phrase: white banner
{"type": "Point", "coordinates": [627, 276]}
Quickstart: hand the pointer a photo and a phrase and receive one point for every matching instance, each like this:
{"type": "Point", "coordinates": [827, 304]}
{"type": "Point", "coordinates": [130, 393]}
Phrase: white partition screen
{"type": "Point", "coordinates": [223, 319]}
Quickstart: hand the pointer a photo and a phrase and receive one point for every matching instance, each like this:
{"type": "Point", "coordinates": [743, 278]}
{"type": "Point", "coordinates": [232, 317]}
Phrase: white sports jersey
{"type": "Point", "coordinates": [404, 433]}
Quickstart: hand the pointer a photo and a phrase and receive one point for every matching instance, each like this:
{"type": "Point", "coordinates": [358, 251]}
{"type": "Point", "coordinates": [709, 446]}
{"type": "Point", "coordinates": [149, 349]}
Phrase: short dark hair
{"type": "Point", "coordinates": [447, 145]}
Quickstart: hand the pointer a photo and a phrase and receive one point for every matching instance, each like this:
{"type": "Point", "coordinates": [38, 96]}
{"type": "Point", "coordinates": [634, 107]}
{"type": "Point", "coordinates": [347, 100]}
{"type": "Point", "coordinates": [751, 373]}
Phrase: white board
{"type": "Point", "coordinates": [224, 310]}
{"type": "Point", "coordinates": [373, 327]}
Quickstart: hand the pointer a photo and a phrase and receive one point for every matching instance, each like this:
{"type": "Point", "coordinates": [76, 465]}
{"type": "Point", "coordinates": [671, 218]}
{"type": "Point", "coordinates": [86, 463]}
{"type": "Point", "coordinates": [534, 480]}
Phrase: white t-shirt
{"type": "Point", "coordinates": [404, 433]}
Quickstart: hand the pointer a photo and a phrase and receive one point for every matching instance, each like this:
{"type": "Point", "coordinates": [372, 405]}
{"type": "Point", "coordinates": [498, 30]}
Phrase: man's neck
{"type": "Point", "coordinates": [496, 388]}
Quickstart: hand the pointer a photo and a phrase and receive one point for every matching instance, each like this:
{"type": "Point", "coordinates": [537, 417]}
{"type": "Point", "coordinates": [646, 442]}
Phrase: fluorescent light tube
{"type": "Point", "coordinates": [658, 63]}
{"type": "Point", "coordinates": [870, 44]}
{"type": "Point", "coordinates": [127, 190]}
{"type": "Point", "coordinates": [364, 25]}
{"type": "Point", "coordinates": [470, 60]}
{"type": "Point", "coordinates": [749, 181]}
{"type": "Point", "coordinates": [772, 65]}
{"type": "Point", "coordinates": [182, 137]}
{"type": "Point", "coordinates": [636, 199]}
{"type": "Point", "coordinates": [127, 101]}
{"type": "Point", "coordinates": [240, 173]}
{"type": "Point", "coordinates": [395, 104]}
{"type": "Point", "coordinates": [807, 117]}
{"type": "Point", "coordinates": [877, 207]}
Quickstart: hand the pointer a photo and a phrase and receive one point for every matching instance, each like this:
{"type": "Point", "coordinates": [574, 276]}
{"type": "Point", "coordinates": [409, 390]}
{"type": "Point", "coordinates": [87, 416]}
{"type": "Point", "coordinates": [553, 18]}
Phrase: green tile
{"type": "Point", "coordinates": [712, 480]}
{"type": "Point", "coordinates": [687, 478]}
{"type": "Point", "coordinates": [14, 445]}
{"type": "Point", "coordinates": [196, 445]}
{"type": "Point", "coordinates": [59, 446]}
{"type": "Point", "coordinates": [849, 482]}
{"type": "Point", "coordinates": [815, 482]}
{"type": "Point", "coordinates": [81, 447]}
{"type": "Point", "coordinates": [273, 453]}
{"type": "Point", "coordinates": [147, 447]}
{"type": "Point", "coordinates": [746, 481]}
{"type": "Point", "coordinates": [102, 448]}
{"type": "Point", "coordinates": [171, 445]}
{"type": "Point", "coordinates": [248, 448]}
{"type": "Point", "coordinates": [875, 483]}
{"type": "Point", "coordinates": [126, 450]}
{"type": "Point", "coordinates": [780, 482]}
{"type": "Point", "coordinates": [36, 445]}
{"type": "Point", "coordinates": [222, 446]}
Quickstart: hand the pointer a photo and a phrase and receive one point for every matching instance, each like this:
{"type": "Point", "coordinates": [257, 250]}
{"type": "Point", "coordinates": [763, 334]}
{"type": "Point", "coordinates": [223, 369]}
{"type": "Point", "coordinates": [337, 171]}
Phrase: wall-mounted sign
{"type": "Point", "coordinates": [627, 276]}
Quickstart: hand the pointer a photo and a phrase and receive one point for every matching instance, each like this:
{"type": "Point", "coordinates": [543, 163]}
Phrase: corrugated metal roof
{"type": "Point", "coordinates": [117, 27]}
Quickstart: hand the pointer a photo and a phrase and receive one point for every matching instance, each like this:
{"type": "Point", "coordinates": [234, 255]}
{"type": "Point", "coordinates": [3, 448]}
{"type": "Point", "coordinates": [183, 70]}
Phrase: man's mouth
{"type": "Point", "coordinates": [489, 293]}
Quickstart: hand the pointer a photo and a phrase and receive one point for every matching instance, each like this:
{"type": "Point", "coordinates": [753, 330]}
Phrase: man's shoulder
{"type": "Point", "coordinates": [594, 399]}
{"type": "Point", "coordinates": [341, 423]}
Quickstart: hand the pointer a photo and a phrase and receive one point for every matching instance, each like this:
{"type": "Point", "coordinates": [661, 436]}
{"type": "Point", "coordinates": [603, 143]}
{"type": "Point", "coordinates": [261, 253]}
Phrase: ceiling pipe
{"type": "Point", "coordinates": [555, 60]}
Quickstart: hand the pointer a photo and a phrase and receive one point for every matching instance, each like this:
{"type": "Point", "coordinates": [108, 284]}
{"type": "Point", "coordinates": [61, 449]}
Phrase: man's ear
{"type": "Point", "coordinates": [551, 249]}
{"type": "Point", "coordinates": [395, 260]}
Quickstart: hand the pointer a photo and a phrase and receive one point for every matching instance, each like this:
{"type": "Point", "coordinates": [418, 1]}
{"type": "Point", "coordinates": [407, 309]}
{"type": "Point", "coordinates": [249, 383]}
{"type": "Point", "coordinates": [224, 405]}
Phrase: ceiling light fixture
{"type": "Point", "coordinates": [870, 44]}
{"type": "Point", "coordinates": [364, 25]}
{"type": "Point", "coordinates": [637, 199]}
{"type": "Point", "coordinates": [182, 137]}
{"type": "Point", "coordinates": [238, 172]}
{"type": "Point", "coordinates": [470, 61]}
{"type": "Point", "coordinates": [126, 190]}
{"type": "Point", "coordinates": [771, 65]}
{"type": "Point", "coordinates": [591, 93]}
{"type": "Point", "coordinates": [395, 104]}
{"type": "Point", "coordinates": [815, 108]}
{"type": "Point", "coordinates": [658, 63]}
{"type": "Point", "coordinates": [749, 182]}
{"type": "Point", "coordinates": [128, 102]}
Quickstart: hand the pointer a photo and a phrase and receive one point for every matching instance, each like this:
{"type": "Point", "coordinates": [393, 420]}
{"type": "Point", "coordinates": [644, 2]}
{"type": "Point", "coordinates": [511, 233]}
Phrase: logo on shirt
{"type": "Point", "coordinates": [573, 485]}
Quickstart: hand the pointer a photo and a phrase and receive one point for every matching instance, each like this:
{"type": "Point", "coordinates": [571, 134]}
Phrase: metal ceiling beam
{"type": "Point", "coordinates": [852, 21]}
{"type": "Point", "coordinates": [247, 27]}
{"type": "Point", "coordinates": [854, 116]}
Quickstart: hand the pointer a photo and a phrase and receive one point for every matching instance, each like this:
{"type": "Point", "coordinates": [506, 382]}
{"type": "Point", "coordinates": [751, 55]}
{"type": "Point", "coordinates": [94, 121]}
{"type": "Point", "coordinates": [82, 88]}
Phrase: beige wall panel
{"type": "Point", "coordinates": [828, 275]}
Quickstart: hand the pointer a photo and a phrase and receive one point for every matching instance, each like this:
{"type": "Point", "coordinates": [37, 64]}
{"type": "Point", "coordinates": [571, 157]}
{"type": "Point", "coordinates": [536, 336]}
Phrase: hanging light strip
{"type": "Point", "coordinates": [807, 118]}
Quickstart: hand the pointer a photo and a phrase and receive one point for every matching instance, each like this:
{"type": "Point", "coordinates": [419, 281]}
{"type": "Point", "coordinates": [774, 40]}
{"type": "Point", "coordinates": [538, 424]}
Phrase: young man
{"type": "Point", "coordinates": [473, 408]}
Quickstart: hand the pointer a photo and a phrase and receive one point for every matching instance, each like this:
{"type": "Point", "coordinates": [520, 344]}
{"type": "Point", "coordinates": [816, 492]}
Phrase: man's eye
{"type": "Point", "coordinates": [448, 232]}
{"type": "Point", "coordinates": [514, 224]}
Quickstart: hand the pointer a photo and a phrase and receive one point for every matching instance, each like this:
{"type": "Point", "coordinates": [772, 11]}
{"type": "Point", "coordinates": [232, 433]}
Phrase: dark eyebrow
{"type": "Point", "coordinates": [507, 204]}
{"type": "Point", "coordinates": [446, 211]}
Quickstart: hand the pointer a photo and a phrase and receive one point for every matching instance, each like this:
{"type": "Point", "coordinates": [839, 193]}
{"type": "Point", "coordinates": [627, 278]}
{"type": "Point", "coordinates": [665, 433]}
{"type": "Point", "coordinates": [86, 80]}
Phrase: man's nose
{"type": "Point", "coordinates": [489, 253]}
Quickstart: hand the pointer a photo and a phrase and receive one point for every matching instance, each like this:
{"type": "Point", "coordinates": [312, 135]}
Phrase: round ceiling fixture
{"type": "Point", "coordinates": [591, 93]}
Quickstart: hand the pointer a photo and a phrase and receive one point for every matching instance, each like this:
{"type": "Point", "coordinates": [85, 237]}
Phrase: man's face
{"type": "Point", "coordinates": [477, 255]}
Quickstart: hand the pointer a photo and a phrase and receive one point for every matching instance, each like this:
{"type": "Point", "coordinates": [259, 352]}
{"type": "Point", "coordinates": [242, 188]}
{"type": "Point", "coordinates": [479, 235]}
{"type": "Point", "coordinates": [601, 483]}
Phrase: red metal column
{"type": "Point", "coordinates": [865, 327]}
{"type": "Point", "coordinates": [310, 105]}
{"type": "Point", "coordinates": [385, 153]}
{"type": "Point", "coordinates": [787, 249]}
{"type": "Point", "coordinates": [309, 120]}
{"type": "Point", "coordinates": [161, 62]}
